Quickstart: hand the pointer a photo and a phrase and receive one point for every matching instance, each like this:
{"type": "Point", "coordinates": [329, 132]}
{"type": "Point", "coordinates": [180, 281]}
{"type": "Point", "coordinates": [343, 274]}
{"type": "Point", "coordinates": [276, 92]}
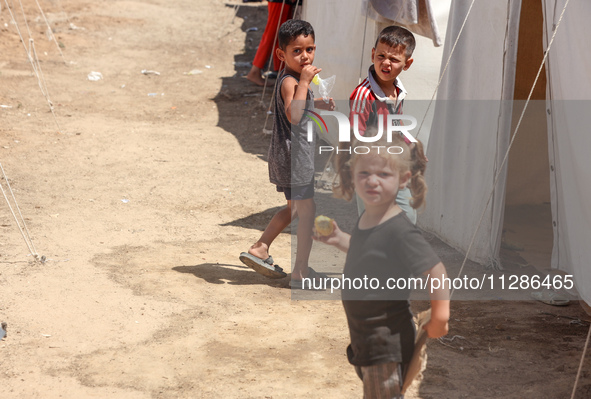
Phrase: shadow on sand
{"type": "Point", "coordinates": [216, 273]}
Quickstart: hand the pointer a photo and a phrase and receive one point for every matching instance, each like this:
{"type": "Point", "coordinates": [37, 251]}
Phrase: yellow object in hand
{"type": "Point", "coordinates": [316, 79]}
{"type": "Point", "coordinates": [323, 225]}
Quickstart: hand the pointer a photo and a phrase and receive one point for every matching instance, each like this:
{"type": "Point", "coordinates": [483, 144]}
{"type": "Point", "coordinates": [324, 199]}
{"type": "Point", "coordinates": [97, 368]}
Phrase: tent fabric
{"type": "Point", "coordinates": [341, 28]}
{"type": "Point", "coordinates": [469, 135]}
{"type": "Point", "coordinates": [415, 15]}
{"type": "Point", "coordinates": [568, 100]}
{"type": "Point", "coordinates": [472, 127]}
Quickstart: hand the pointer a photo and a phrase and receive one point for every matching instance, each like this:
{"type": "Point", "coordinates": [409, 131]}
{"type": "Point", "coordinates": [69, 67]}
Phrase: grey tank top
{"type": "Point", "coordinates": [291, 155]}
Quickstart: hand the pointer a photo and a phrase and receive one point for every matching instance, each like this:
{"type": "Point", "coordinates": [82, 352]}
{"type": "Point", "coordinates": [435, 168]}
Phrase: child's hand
{"type": "Point", "coordinates": [320, 104]}
{"type": "Point", "coordinates": [308, 73]}
{"type": "Point", "coordinates": [331, 104]}
{"type": "Point", "coordinates": [436, 328]}
{"type": "Point", "coordinates": [327, 239]}
{"type": "Point", "coordinates": [337, 238]}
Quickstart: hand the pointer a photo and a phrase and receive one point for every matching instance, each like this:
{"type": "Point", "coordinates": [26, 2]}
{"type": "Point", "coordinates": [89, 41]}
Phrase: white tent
{"type": "Point", "coordinates": [495, 62]}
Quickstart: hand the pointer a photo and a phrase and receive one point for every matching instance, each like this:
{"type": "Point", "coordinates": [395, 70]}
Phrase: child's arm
{"type": "Point", "coordinates": [337, 238]}
{"type": "Point", "coordinates": [291, 91]}
{"type": "Point", "coordinates": [438, 325]}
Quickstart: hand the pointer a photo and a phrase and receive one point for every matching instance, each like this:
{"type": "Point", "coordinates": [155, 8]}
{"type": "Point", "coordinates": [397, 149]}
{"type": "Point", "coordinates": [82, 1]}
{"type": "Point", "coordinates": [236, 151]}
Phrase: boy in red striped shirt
{"type": "Point", "coordinates": [382, 92]}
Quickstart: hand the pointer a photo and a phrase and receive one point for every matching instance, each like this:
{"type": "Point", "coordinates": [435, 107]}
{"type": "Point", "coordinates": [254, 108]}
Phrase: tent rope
{"type": "Point", "coordinates": [35, 65]}
{"type": "Point", "coordinates": [512, 139]}
{"type": "Point", "coordinates": [363, 43]}
{"type": "Point", "coordinates": [24, 17]}
{"type": "Point", "coordinates": [19, 32]}
{"type": "Point", "coordinates": [51, 32]}
{"type": "Point", "coordinates": [581, 364]}
{"type": "Point", "coordinates": [27, 237]}
{"type": "Point", "coordinates": [295, 10]}
{"type": "Point", "coordinates": [265, 130]}
{"type": "Point", "coordinates": [445, 68]}
{"type": "Point", "coordinates": [42, 84]}
{"type": "Point", "coordinates": [39, 72]}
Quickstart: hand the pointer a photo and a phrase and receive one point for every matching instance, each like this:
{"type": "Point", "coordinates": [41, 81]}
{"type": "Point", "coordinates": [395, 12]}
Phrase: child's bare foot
{"type": "Point", "coordinates": [259, 250]}
{"type": "Point", "coordinates": [258, 259]}
{"type": "Point", "coordinates": [254, 75]}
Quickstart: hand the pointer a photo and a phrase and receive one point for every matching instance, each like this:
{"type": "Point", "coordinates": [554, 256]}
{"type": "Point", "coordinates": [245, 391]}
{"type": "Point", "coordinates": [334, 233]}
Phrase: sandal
{"type": "Point", "coordinates": [312, 275]}
{"type": "Point", "coordinates": [266, 267]}
{"type": "Point", "coordinates": [550, 297]}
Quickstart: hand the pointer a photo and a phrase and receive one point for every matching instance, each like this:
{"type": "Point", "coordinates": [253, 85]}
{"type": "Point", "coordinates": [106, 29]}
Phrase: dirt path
{"type": "Point", "coordinates": [142, 203]}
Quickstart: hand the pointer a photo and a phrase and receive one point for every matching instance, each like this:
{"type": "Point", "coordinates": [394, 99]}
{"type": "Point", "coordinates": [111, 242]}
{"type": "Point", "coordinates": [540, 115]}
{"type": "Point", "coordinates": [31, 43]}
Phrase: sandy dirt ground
{"type": "Point", "coordinates": [142, 200]}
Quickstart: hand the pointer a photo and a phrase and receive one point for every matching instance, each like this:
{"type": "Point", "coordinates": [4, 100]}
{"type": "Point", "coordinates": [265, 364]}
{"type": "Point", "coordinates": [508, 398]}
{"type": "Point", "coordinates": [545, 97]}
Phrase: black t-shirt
{"type": "Point", "coordinates": [379, 318]}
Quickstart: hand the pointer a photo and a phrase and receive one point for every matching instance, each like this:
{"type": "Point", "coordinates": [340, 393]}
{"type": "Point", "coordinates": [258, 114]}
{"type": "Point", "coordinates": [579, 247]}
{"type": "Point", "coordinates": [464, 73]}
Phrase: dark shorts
{"type": "Point", "coordinates": [297, 192]}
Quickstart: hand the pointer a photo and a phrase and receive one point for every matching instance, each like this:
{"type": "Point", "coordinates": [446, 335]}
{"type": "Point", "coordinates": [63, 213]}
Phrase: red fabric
{"type": "Point", "coordinates": [364, 103]}
{"type": "Point", "coordinates": [264, 51]}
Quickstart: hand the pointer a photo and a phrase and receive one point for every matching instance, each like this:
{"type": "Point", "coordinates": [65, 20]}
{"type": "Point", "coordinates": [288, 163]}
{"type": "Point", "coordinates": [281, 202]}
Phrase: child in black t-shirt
{"type": "Point", "coordinates": [385, 248]}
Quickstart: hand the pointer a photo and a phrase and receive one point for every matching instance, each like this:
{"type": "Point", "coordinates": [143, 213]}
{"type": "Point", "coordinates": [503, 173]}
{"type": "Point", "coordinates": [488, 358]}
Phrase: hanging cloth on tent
{"type": "Point", "coordinates": [415, 15]}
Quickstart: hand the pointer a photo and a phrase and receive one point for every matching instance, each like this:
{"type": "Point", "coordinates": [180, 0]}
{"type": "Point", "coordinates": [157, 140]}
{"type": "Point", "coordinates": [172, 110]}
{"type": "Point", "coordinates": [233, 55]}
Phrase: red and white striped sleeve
{"type": "Point", "coordinates": [360, 104]}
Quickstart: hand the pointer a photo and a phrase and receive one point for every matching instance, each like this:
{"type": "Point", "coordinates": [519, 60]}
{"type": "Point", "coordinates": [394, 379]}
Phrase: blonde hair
{"type": "Point", "coordinates": [412, 160]}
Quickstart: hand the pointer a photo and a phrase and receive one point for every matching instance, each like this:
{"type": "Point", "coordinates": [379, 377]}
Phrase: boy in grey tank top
{"type": "Point", "coordinates": [291, 155]}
